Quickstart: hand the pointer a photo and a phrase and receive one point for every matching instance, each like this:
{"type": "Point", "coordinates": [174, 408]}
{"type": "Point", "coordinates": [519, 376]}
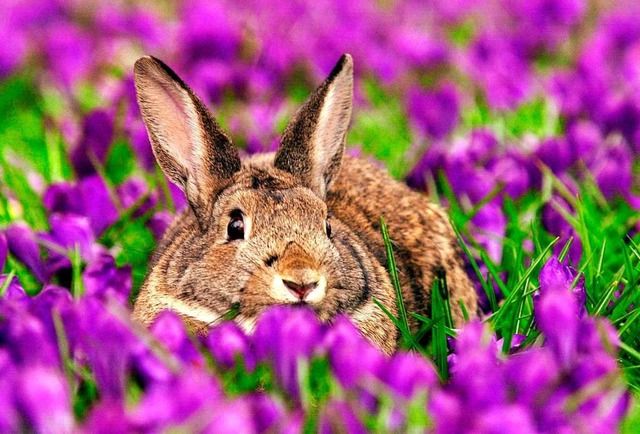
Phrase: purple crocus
{"type": "Point", "coordinates": [4, 250]}
{"type": "Point", "coordinates": [495, 63]}
{"type": "Point", "coordinates": [89, 197]}
{"type": "Point", "coordinates": [44, 396]}
{"type": "Point", "coordinates": [104, 280]}
{"type": "Point", "coordinates": [97, 135]}
{"type": "Point", "coordinates": [23, 244]}
{"type": "Point", "coordinates": [286, 337]}
{"type": "Point", "coordinates": [338, 416]}
{"type": "Point", "coordinates": [557, 311]}
{"type": "Point", "coordinates": [434, 112]}
{"type": "Point", "coordinates": [159, 223]}
{"type": "Point", "coordinates": [69, 53]}
{"type": "Point", "coordinates": [228, 344]}
{"type": "Point", "coordinates": [170, 331]}
{"type": "Point", "coordinates": [132, 192]}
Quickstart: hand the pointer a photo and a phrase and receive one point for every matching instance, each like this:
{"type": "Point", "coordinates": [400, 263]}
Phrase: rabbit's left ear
{"type": "Point", "coordinates": [312, 145]}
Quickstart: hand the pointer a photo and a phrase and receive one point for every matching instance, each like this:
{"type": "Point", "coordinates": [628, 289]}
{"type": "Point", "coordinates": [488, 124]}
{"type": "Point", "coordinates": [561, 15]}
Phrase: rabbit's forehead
{"type": "Point", "coordinates": [276, 203]}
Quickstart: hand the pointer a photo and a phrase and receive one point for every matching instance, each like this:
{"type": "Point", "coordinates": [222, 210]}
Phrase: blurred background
{"type": "Point", "coordinates": [485, 104]}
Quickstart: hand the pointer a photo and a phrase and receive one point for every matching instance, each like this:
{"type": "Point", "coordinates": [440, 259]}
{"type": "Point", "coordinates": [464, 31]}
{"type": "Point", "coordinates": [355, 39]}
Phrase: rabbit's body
{"type": "Point", "coordinates": [310, 221]}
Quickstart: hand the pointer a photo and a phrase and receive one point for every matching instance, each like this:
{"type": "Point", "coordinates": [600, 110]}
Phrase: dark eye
{"type": "Point", "coordinates": [327, 227]}
{"type": "Point", "coordinates": [235, 229]}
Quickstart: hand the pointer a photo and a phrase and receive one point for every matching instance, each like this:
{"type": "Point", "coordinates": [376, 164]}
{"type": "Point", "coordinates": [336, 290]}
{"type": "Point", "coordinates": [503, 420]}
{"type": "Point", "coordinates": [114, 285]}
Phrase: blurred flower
{"type": "Point", "coordinates": [171, 332]}
{"type": "Point", "coordinates": [207, 33]}
{"type": "Point", "coordinates": [4, 250]}
{"type": "Point", "coordinates": [339, 417]}
{"type": "Point", "coordinates": [500, 70]}
{"type": "Point", "coordinates": [159, 223]}
{"type": "Point", "coordinates": [555, 153]}
{"type": "Point", "coordinates": [227, 344]}
{"type": "Point", "coordinates": [102, 279]}
{"type": "Point", "coordinates": [89, 197]}
{"type": "Point", "coordinates": [286, 344]}
{"type": "Point", "coordinates": [558, 312]}
{"type": "Point", "coordinates": [490, 226]}
{"type": "Point", "coordinates": [69, 52]}
{"type": "Point", "coordinates": [43, 396]}
{"type": "Point", "coordinates": [408, 373]}
{"type": "Point", "coordinates": [97, 135]}
{"type": "Point", "coordinates": [134, 190]}
{"type": "Point", "coordinates": [191, 396]}
{"type": "Point", "coordinates": [23, 245]}
{"type": "Point", "coordinates": [613, 169]}
{"type": "Point", "coordinates": [434, 112]}
{"type": "Point", "coordinates": [543, 24]}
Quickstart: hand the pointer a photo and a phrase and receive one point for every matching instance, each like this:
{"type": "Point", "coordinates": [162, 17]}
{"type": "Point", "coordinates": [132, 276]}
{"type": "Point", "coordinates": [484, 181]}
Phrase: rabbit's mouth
{"type": "Point", "coordinates": [285, 290]}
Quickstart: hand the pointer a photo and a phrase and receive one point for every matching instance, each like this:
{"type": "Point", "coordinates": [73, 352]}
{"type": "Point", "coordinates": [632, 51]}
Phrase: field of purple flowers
{"type": "Point", "coordinates": [522, 117]}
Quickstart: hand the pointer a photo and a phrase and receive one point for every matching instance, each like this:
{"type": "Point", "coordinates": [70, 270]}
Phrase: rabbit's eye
{"type": "Point", "coordinates": [235, 229]}
{"type": "Point", "coordinates": [327, 227]}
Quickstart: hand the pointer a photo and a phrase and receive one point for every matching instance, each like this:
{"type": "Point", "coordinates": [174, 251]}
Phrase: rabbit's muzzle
{"type": "Point", "coordinates": [298, 278]}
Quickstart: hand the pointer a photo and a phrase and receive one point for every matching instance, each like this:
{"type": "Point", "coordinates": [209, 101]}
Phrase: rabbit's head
{"type": "Point", "coordinates": [259, 234]}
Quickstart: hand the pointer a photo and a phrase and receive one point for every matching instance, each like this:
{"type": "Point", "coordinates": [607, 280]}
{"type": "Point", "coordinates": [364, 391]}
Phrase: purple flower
{"type": "Point", "coordinates": [159, 223]}
{"type": "Point", "coordinates": [531, 374]}
{"type": "Point", "coordinates": [354, 360]}
{"type": "Point", "coordinates": [43, 396]}
{"type": "Point", "coordinates": [613, 170]}
{"type": "Point", "coordinates": [90, 197]}
{"type": "Point", "coordinates": [286, 337]}
{"type": "Point", "coordinates": [134, 190]}
{"type": "Point", "coordinates": [268, 413]}
{"type": "Point", "coordinates": [500, 70]}
{"type": "Point", "coordinates": [476, 375]}
{"type": "Point", "coordinates": [191, 396]}
{"type": "Point", "coordinates": [555, 153]}
{"type": "Point", "coordinates": [4, 250]}
{"type": "Point", "coordinates": [140, 143]}
{"type": "Point", "coordinates": [171, 332]}
{"type": "Point", "coordinates": [102, 279]}
{"type": "Point", "coordinates": [408, 373]}
{"type": "Point", "coordinates": [23, 245]}
{"type": "Point", "coordinates": [583, 138]}
{"type": "Point", "coordinates": [544, 24]}
{"type": "Point", "coordinates": [107, 342]}
{"type": "Point", "coordinates": [489, 229]}
{"type": "Point", "coordinates": [557, 311]}
{"type": "Point", "coordinates": [97, 135]}
{"type": "Point", "coordinates": [207, 33]}
{"type": "Point", "coordinates": [449, 412]}
{"type": "Point", "coordinates": [505, 419]}
{"type": "Point", "coordinates": [14, 290]}
{"type": "Point", "coordinates": [338, 416]}
{"type": "Point", "coordinates": [510, 172]}
{"type": "Point", "coordinates": [13, 46]}
{"type": "Point", "coordinates": [69, 53]}
{"type": "Point", "coordinates": [434, 113]}
{"type": "Point", "coordinates": [421, 49]}
{"type": "Point", "coordinates": [227, 343]}
{"type": "Point", "coordinates": [69, 232]}
{"type": "Point", "coordinates": [428, 165]}
{"type": "Point", "coordinates": [474, 182]}
{"type": "Point", "coordinates": [24, 336]}
{"type": "Point", "coordinates": [108, 416]}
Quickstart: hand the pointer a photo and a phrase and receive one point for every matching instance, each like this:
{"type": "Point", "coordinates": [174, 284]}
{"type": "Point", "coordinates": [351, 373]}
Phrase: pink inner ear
{"type": "Point", "coordinates": [174, 120]}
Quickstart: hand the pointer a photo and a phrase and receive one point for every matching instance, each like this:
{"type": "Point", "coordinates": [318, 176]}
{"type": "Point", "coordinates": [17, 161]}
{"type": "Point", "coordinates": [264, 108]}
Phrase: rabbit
{"type": "Point", "coordinates": [300, 226]}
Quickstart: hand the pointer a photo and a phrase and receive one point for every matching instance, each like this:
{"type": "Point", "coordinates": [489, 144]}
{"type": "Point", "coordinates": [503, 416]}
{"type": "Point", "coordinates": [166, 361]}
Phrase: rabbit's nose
{"type": "Point", "coordinates": [300, 290]}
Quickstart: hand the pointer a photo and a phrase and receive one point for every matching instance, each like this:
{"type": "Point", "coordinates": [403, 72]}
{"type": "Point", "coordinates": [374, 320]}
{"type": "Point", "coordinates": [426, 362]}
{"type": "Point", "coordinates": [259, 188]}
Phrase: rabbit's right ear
{"type": "Point", "coordinates": [188, 143]}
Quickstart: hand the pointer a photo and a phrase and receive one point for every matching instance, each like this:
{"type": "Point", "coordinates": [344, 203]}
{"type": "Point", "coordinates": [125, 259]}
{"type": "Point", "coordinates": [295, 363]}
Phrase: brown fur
{"type": "Point", "coordinates": [286, 199]}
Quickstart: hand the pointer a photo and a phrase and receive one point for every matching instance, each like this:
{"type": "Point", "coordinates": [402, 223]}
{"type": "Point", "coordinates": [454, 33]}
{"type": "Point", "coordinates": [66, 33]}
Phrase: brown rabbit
{"type": "Point", "coordinates": [301, 226]}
